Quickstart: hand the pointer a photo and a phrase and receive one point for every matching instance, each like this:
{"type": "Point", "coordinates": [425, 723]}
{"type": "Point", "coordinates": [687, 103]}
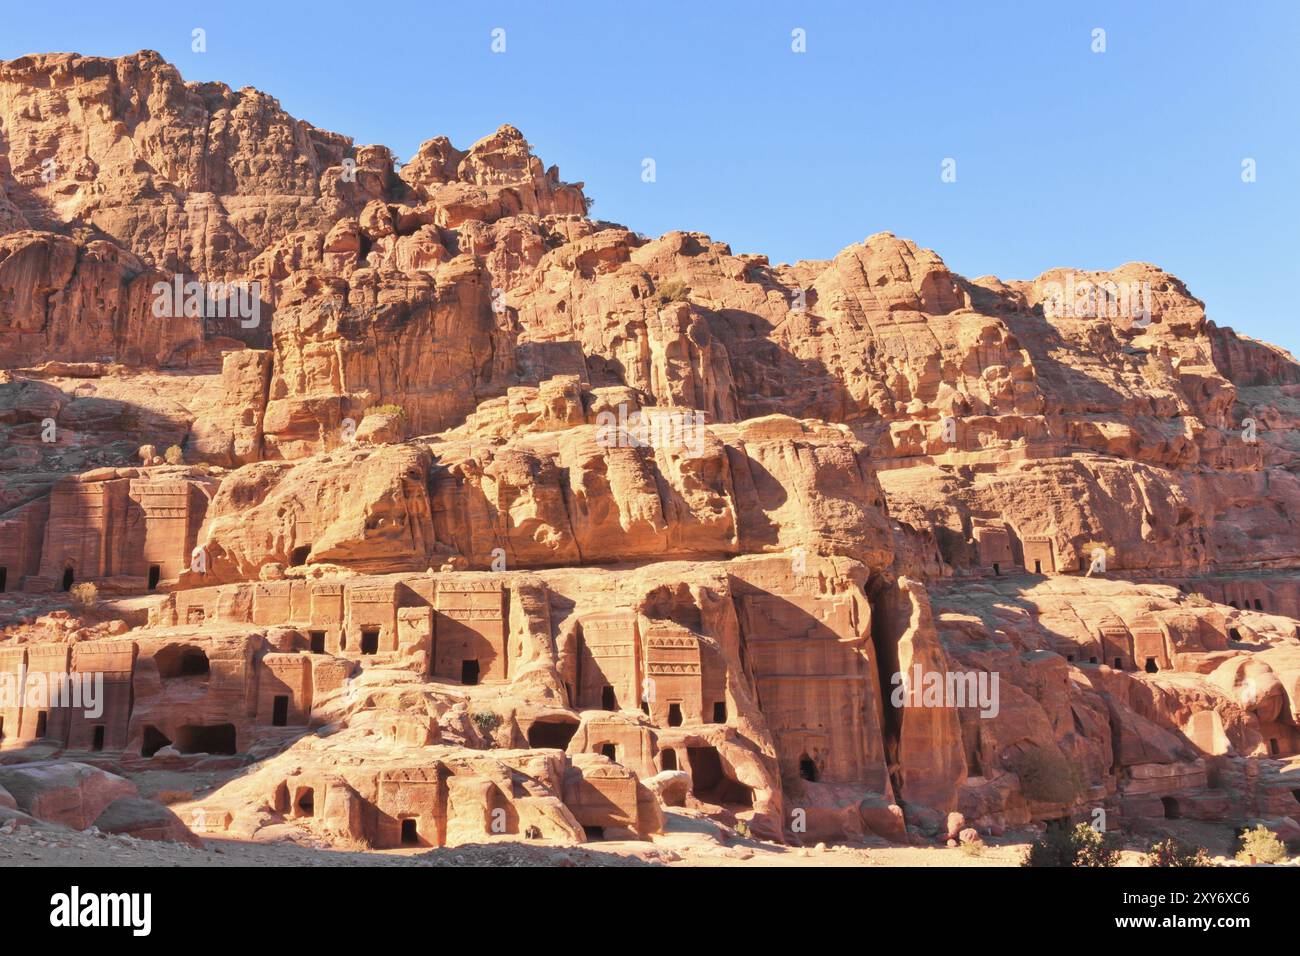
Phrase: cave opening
{"type": "Point", "coordinates": [182, 661]}
{"type": "Point", "coordinates": [710, 782]}
{"type": "Point", "coordinates": [552, 734]}
{"type": "Point", "coordinates": [206, 739]}
{"type": "Point", "coordinates": [154, 741]}
{"type": "Point", "coordinates": [808, 768]}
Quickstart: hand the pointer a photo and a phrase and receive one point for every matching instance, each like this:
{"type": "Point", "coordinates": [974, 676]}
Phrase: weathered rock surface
{"type": "Point", "coordinates": [498, 522]}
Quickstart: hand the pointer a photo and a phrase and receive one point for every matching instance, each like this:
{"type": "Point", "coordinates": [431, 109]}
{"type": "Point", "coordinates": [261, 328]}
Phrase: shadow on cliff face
{"type": "Point", "coordinates": [773, 379]}
{"type": "Point", "coordinates": [1065, 382]}
{"type": "Point", "coordinates": [46, 429]}
{"type": "Point", "coordinates": [806, 675]}
{"type": "Point", "coordinates": [38, 213]}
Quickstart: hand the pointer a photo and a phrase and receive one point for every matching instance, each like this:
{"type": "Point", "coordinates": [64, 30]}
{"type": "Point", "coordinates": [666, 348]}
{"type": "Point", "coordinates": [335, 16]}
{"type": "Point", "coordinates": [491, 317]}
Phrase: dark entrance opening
{"type": "Point", "coordinates": [1070, 658]}
{"type": "Point", "coordinates": [4, 577]}
{"type": "Point", "coordinates": [996, 568]}
{"type": "Point", "coordinates": [674, 715]}
{"type": "Point", "coordinates": [608, 700]}
{"type": "Point", "coordinates": [182, 660]}
{"type": "Point", "coordinates": [555, 734]}
{"type": "Point", "coordinates": [719, 711]}
{"type": "Point", "coordinates": [155, 572]}
{"type": "Point", "coordinates": [808, 768]}
{"type": "Point", "coordinates": [154, 741]}
{"type": "Point", "coordinates": [710, 782]}
{"type": "Point", "coordinates": [198, 739]}
{"type": "Point", "coordinates": [299, 555]}
{"type": "Point", "coordinates": [1038, 566]}
{"type": "Point", "coordinates": [1234, 634]}
{"type": "Point", "coordinates": [410, 835]}
{"type": "Point", "coordinates": [610, 751]}
{"type": "Point", "coordinates": [369, 642]}
{"type": "Point", "coordinates": [669, 759]}
{"type": "Point", "coordinates": [306, 802]}
{"type": "Point", "coordinates": [68, 578]}
{"type": "Point", "coordinates": [1092, 660]}
{"type": "Point", "coordinates": [469, 673]}
{"type": "Point", "coordinates": [595, 833]}
{"type": "Point", "coordinates": [1151, 667]}
{"type": "Point", "coordinates": [1258, 605]}
{"type": "Point", "coordinates": [1272, 746]}
{"type": "Point", "coordinates": [280, 711]}
{"type": "Point", "coordinates": [97, 742]}
{"type": "Point", "coordinates": [1119, 664]}
{"type": "Point", "coordinates": [41, 721]}
{"type": "Point", "coordinates": [317, 639]}
{"type": "Point", "coordinates": [1172, 810]}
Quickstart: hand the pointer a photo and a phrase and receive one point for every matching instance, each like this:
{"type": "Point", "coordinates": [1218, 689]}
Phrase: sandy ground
{"type": "Point", "coordinates": [50, 846]}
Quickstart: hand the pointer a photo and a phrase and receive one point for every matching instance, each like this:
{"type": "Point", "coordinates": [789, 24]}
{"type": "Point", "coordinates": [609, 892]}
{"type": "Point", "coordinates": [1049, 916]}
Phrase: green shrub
{"type": "Point", "coordinates": [1046, 775]}
{"type": "Point", "coordinates": [1261, 844]}
{"type": "Point", "coordinates": [397, 410]}
{"type": "Point", "coordinates": [486, 721]}
{"type": "Point", "coordinates": [85, 594]}
{"type": "Point", "coordinates": [1170, 852]}
{"type": "Point", "coordinates": [674, 290]}
{"type": "Point", "coordinates": [1080, 846]}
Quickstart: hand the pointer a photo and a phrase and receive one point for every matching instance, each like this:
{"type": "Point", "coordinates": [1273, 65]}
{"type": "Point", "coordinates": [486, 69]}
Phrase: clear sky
{"type": "Point", "coordinates": [1064, 156]}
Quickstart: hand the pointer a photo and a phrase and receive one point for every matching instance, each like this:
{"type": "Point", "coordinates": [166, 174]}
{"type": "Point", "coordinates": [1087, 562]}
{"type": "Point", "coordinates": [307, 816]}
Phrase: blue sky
{"type": "Point", "coordinates": [1065, 157]}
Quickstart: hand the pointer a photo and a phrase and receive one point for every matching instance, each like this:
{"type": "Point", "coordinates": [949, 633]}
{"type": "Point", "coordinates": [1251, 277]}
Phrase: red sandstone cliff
{"type": "Point", "coordinates": [402, 511]}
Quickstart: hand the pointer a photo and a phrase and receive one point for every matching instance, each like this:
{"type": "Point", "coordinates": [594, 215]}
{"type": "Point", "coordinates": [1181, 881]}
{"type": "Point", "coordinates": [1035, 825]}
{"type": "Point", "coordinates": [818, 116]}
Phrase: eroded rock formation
{"type": "Point", "coordinates": [495, 521]}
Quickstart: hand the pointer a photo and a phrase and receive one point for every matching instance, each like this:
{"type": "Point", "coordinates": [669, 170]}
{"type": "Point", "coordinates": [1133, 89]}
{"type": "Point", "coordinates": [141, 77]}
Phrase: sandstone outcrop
{"type": "Point", "coordinates": [448, 514]}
